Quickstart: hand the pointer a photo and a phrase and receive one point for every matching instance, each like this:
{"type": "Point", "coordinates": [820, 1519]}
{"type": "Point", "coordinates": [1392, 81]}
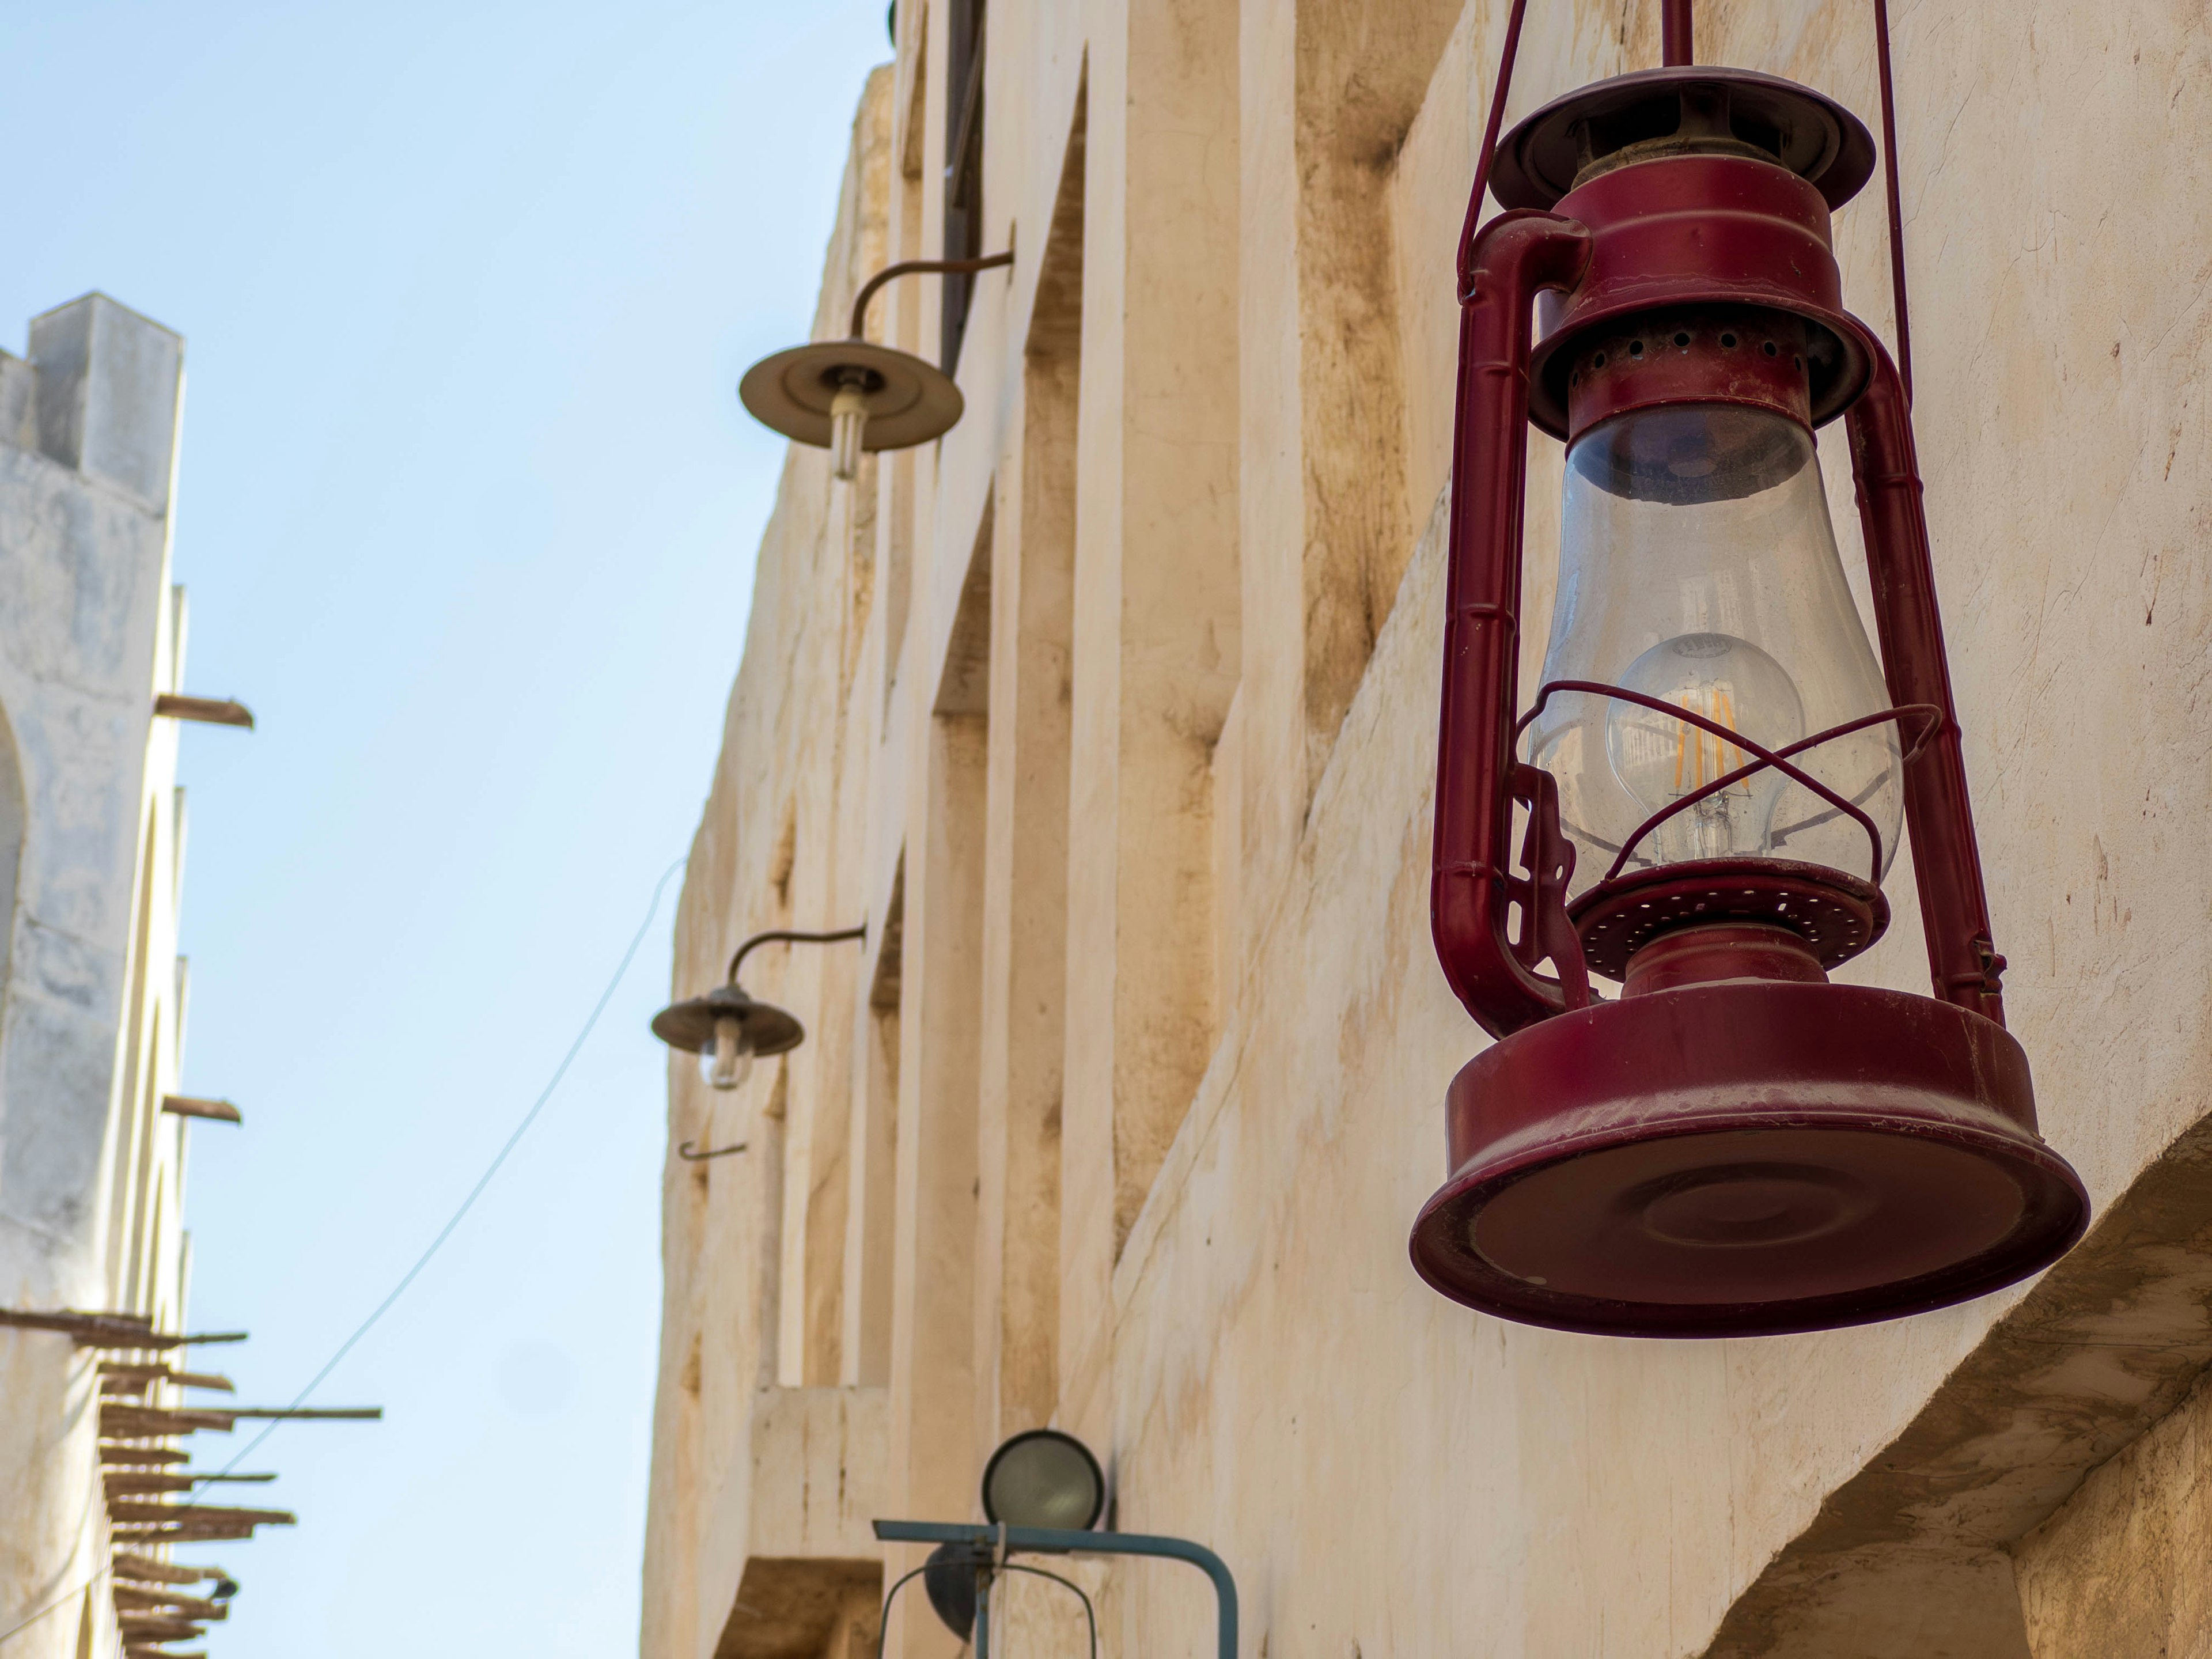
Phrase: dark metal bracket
{"type": "Point", "coordinates": [786, 936]}
{"type": "Point", "coordinates": [685, 1152]}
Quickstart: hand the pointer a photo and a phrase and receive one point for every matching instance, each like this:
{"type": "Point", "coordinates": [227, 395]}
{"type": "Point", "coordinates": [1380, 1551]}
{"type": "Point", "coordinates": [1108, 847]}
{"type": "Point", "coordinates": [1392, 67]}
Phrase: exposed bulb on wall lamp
{"type": "Point", "coordinates": [727, 1062]}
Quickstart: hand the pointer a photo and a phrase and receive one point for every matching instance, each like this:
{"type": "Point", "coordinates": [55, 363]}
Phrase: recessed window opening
{"type": "Point", "coordinates": [963, 166]}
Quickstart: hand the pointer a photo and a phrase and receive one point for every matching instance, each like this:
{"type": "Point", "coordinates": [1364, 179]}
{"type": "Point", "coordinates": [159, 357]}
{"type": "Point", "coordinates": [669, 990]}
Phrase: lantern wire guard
{"type": "Point", "coordinates": [853, 396]}
{"type": "Point", "coordinates": [1735, 1145]}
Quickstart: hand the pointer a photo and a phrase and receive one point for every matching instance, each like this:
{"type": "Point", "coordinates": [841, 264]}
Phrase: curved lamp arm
{"type": "Point", "coordinates": [786, 936]}
{"type": "Point", "coordinates": [916, 268]}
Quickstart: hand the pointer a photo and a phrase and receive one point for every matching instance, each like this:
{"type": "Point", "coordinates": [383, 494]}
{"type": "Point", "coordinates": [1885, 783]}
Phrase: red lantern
{"type": "Point", "coordinates": [1711, 776]}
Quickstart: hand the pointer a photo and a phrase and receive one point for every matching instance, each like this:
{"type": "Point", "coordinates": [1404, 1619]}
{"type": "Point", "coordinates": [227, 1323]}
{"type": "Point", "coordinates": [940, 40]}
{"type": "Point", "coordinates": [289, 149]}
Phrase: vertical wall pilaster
{"type": "Point", "coordinates": [1157, 628]}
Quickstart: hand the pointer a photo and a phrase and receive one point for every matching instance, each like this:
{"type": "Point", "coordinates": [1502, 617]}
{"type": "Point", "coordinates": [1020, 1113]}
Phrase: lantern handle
{"type": "Point", "coordinates": [1472, 888]}
{"type": "Point", "coordinates": [1947, 864]}
{"type": "Point", "coordinates": [1488, 154]}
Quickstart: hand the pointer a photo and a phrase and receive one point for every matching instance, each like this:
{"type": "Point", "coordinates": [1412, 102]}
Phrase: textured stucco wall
{"type": "Point", "coordinates": [2120, 1569]}
{"type": "Point", "coordinates": [777, 846]}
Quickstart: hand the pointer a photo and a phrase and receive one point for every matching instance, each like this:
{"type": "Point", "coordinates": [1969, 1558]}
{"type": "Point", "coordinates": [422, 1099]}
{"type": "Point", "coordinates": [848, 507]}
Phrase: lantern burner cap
{"type": "Point", "coordinates": [1688, 109]}
{"type": "Point", "coordinates": [1837, 915]}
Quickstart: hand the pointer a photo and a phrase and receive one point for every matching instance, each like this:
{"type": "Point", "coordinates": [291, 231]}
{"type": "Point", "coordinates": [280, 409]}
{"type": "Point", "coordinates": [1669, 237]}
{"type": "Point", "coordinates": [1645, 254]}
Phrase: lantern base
{"type": "Point", "coordinates": [1744, 1159]}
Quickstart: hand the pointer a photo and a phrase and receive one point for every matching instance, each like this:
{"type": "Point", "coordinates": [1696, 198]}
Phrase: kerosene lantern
{"type": "Point", "coordinates": [1707, 788]}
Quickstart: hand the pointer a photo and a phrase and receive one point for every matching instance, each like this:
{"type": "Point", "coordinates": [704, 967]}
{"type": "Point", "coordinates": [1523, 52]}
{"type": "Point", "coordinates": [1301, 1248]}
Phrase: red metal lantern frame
{"type": "Point", "coordinates": [1735, 1146]}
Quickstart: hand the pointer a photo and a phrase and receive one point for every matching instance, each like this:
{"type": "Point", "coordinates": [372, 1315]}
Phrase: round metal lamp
{"type": "Point", "coordinates": [1043, 1478]}
{"type": "Point", "coordinates": [852, 396]}
{"type": "Point", "coordinates": [727, 1027]}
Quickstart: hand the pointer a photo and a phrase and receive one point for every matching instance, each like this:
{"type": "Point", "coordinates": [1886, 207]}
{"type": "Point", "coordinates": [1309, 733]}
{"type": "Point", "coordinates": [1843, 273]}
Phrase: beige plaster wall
{"type": "Point", "coordinates": [1150, 691]}
{"type": "Point", "coordinates": [2120, 1569]}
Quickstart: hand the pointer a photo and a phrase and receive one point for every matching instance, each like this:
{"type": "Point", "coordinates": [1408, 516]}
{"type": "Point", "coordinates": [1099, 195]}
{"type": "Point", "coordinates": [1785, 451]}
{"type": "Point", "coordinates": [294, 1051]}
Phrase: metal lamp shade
{"type": "Point", "coordinates": [689, 1025]}
{"type": "Point", "coordinates": [910, 402]}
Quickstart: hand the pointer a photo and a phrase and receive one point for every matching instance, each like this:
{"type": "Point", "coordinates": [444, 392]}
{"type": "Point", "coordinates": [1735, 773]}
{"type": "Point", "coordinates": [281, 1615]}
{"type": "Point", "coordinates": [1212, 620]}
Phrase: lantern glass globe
{"type": "Point", "coordinates": [1697, 566]}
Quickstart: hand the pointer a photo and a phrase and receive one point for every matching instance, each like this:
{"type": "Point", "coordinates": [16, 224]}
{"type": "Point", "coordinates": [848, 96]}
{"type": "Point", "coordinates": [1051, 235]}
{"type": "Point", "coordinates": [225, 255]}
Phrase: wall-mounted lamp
{"type": "Point", "coordinates": [1715, 766]}
{"type": "Point", "coordinates": [1044, 1494]}
{"type": "Point", "coordinates": [850, 396]}
{"type": "Point", "coordinates": [726, 1028]}
{"type": "Point", "coordinates": [1044, 1479]}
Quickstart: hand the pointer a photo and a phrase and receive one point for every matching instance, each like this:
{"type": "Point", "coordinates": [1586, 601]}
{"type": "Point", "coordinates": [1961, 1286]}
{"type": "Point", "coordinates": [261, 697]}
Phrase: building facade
{"type": "Point", "coordinates": [1113, 714]}
{"type": "Point", "coordinates": [93, 992]}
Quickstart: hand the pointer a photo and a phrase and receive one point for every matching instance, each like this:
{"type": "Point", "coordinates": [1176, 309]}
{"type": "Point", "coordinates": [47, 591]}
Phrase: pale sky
{"type": "Point", "coordinates": [467, 510]}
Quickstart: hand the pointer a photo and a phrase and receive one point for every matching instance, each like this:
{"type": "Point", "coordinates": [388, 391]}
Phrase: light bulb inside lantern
{"type": "Point", "coordinates": [727, 1061]}
{"type": "Point", "coordinates": [1663, 758]}
{"type": "Point", "coordinates": [1697, 566]}
{"type": "Point", "coordinates": [848, 421]}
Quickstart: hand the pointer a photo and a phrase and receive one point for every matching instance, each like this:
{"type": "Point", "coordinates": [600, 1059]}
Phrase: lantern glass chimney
{"type": "Point", "coordinates": [1697, 566]}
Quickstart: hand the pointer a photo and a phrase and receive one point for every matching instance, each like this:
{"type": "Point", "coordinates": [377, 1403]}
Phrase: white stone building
{"type": "Point", "coordinates": [92, 992]}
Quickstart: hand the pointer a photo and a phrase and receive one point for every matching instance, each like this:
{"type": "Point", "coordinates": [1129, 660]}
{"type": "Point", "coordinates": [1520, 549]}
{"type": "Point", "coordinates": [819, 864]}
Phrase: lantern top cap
{"type": "Point", "coordinates": [1682, 110]}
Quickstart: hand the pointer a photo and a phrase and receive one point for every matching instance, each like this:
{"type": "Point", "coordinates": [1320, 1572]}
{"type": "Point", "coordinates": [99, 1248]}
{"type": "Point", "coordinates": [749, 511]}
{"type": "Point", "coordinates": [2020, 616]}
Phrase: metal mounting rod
{"type": "Point", "coordinates": [1056, 1541]}
{"type": "Point", "coordinates": [1890, 189]}
{"type": "Point", "coordinates": [786, 936]}
{"type": "Point", "coordinates": [1675, 31]}
{"type": "Point", "coordinates": [917, 268]}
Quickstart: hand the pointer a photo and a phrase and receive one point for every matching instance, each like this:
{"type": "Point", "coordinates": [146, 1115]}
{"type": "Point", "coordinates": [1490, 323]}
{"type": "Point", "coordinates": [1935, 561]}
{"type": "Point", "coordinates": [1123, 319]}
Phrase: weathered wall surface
{"type": "Point", "coordinates": [1149, 693]}
{"type": "Point", "coordinates": [754, 1242]}
{"type": "Point", "coordinates": [91, 986]}
{"type": "Point", "coordinates": [2120, 1569]}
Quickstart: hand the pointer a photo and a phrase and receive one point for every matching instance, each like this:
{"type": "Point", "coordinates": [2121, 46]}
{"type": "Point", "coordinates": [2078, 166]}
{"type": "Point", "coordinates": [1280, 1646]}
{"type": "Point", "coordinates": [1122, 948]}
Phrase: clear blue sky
{"type": "Point", "coordinates": [467, 512]}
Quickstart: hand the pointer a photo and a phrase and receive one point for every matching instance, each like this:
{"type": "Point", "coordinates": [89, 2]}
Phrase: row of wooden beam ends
{"type": "Point", "coordinates": [150, 1493]}
{"type": "Point", "coordinates": [153, 1611]}
{"type": "Point", "coordinates": [154, 1501]}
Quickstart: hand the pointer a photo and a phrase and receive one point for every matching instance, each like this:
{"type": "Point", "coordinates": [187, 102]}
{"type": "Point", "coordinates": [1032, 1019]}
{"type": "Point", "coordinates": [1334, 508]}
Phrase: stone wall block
{"type": "Point", "coordinates": [110, 383]}
{"type": "Point", "coordinates": [19, 401]}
